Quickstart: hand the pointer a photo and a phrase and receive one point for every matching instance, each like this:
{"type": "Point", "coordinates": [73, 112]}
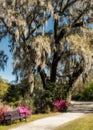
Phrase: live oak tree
{"type": "Point", "coordinates": [59, 55]}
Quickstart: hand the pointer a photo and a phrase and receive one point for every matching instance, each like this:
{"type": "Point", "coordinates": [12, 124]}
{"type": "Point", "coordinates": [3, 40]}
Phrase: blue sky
{"type": "Point", "coordinates": [7, 73]}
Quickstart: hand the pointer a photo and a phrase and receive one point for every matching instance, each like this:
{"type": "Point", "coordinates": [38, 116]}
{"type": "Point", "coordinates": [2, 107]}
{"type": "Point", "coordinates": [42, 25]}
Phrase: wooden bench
{"type": "Point", "coordinates": [14, 115]}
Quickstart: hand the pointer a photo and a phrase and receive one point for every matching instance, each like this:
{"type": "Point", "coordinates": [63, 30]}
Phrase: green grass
{"type": "Point", "coordinates": [32, 118]}
{"type": "Point", "coordinates": [85, 123]}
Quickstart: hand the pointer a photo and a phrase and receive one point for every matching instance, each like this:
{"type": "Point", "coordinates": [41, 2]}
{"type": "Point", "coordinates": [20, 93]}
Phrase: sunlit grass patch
{"type": "Point", "coordinates": [85, 123]}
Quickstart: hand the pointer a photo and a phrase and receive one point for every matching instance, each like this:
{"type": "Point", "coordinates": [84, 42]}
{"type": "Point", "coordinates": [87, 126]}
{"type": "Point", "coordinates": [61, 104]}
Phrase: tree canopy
{"type": "Point", "coordinates": [57, 55]}
{"type": "Point", "coordinates": [3, 60]}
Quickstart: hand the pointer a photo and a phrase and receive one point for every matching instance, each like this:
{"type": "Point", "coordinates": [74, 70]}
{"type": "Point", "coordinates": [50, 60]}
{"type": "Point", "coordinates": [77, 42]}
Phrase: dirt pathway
{"type": "Point", "coordinates": [83, 107]}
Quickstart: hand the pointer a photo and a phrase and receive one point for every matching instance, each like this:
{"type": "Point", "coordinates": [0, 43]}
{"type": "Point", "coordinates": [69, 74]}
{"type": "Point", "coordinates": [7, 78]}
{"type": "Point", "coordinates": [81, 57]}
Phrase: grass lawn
{"type": "Point", "coordinates": [32, 118]}
{"type": "Point", "coordinates": [85, 123]}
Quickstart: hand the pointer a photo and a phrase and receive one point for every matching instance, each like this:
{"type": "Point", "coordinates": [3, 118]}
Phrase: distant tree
{"type": "Point", "coordinates": [53, 54]}
{"type": "Point", "coordinates": [4, 85]}
{"type": "Point", "coordinates": [12, 95]}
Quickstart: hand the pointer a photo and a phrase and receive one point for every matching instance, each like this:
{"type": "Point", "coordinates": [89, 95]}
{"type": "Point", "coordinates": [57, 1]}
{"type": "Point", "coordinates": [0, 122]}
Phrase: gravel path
{"type": "Point", "coordinates": [50, 122]}
{"type": "Point", "coordinates": [77, 110]}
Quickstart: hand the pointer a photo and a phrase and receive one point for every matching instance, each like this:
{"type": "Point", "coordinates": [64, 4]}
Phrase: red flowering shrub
{"type": "Point", "coordinates": [61, 105]}
{"type": "Point", "coordinates": [3, 108]}
{"type": "Point", "coordinates": [25, 109]}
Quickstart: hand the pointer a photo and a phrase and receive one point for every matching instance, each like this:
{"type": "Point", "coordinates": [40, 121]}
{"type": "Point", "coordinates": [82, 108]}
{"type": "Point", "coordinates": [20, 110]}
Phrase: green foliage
{"type": "Point", "coordinates": [17, 94]}
{"type": "Point", "coordinates": [85, 93]}
{"type": "Point", "coordinates": [43, 99]}
{"type": "Point", "coordinates": [4, 85]}
{"type": "Point", "coordinates": [12, 96]}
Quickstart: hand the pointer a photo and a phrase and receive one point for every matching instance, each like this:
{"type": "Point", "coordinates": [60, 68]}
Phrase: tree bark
{"type": "Point", "coordinates": [43, 77]}
{"type": "Point", "coordinates": [56, 59]}
{"type": "Point", "coordinates": [74, 77]}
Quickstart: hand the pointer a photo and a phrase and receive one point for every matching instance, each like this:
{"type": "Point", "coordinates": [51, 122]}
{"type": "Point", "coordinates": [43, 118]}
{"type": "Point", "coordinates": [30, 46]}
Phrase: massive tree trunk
{"type": "Point", "coordinates": [55, 57]}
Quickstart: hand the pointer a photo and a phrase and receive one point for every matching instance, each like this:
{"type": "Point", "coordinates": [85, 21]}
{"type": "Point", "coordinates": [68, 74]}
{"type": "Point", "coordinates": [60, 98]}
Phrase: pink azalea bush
{"type": "Point", "coordinates": [61, 105]}
{"type": "Point", "coordinates": [24, 109]}
{"type": "Point", "coordinates": [3, 108]}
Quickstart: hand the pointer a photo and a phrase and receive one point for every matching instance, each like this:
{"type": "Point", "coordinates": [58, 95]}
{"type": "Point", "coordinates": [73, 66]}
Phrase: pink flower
{"type": "Point", "coordinates": [60, 105]}
{"type": "Point", "coordinates": [3, 108]}
{"type": "Point", "coordinates": [24, 110]}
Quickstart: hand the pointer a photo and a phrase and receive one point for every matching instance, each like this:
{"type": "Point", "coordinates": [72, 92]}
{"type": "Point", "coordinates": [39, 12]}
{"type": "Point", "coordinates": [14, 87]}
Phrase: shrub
{"type": "Point", "coordinates": [25, 109]}
{"type": "Point", "coordinates": [43, 99]}
{"type": "Point", "coordinates": [3, 108]}
{"type": "Point", "coordinates": [61, 105]}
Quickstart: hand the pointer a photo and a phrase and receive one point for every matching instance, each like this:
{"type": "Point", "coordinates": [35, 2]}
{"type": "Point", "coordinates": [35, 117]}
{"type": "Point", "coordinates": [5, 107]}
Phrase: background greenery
{"type": "Point", "coordinates": [85, 93]}
{"type": "Point", "coordinates": [41, 100]}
